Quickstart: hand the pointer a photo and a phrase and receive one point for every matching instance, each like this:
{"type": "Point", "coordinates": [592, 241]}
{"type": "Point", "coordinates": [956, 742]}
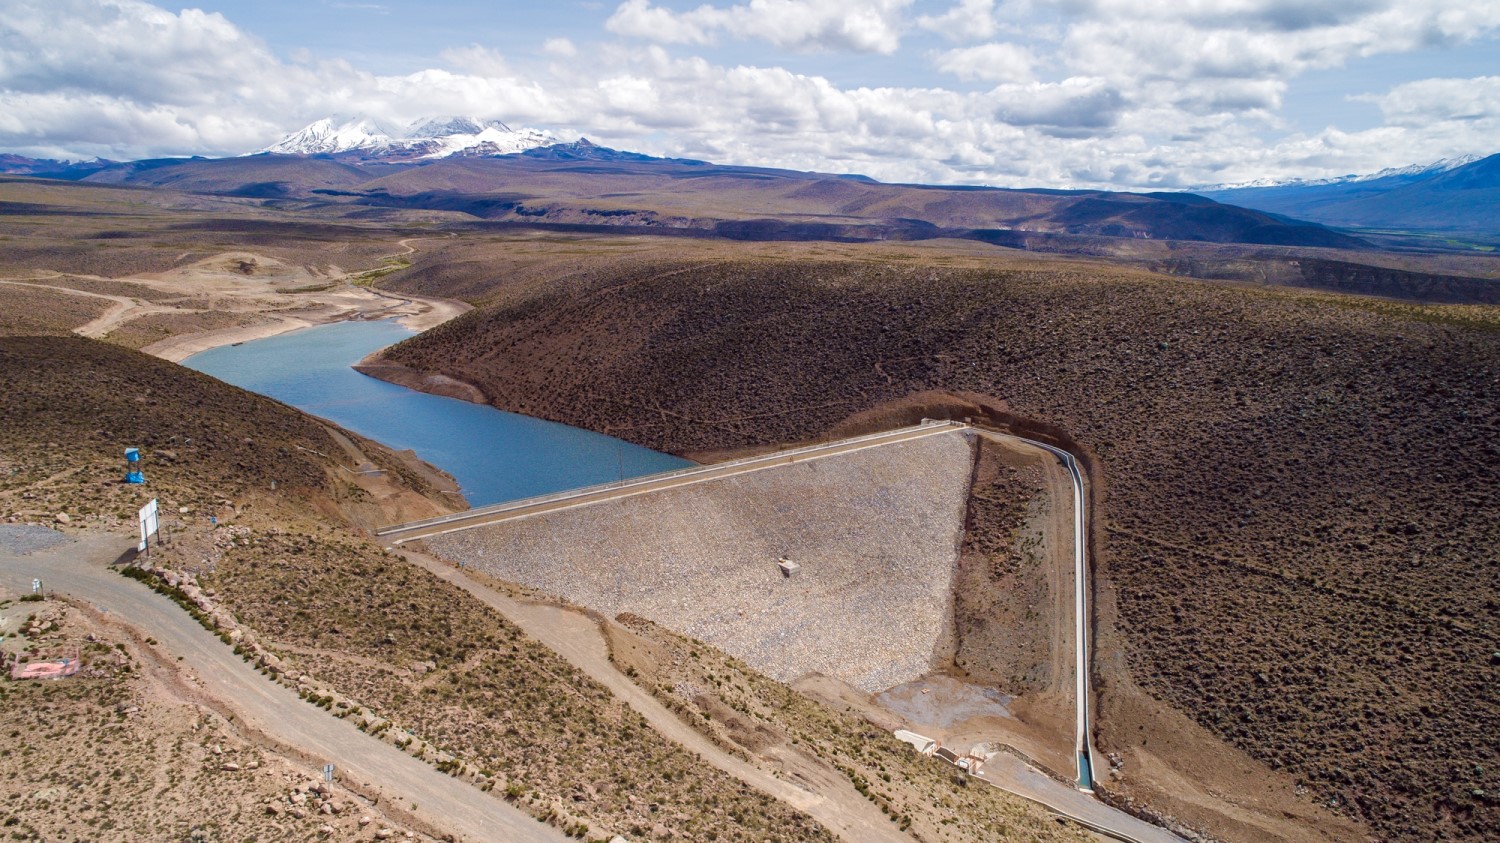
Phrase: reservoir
{"type": "Point", "coordinates": [494, 455]}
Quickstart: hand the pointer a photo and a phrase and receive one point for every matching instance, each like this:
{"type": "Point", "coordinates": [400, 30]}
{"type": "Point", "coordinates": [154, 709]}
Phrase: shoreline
{"type": "Point", "coordinates": [417, 313]}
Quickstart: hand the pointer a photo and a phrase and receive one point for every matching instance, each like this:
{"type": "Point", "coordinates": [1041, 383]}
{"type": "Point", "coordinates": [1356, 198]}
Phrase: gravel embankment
{"type": "Point", "coordinates": [875, 531]}
{"type": "Point", "coordinates": [21, 539]}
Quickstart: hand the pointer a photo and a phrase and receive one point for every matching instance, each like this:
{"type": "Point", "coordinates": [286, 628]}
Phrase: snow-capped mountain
{"type": "Point", "coordinates": [329, 136]}
{"type": "Point", "coordinates": [1413, 172]}
{"type": "Point", "coordinates": [437, 137]}
{"type": "Point", "coordinates": [1454, 195]}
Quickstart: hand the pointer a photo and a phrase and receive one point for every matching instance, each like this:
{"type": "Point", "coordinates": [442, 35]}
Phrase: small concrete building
{"type": "Point", "coordinates": [788, 568]}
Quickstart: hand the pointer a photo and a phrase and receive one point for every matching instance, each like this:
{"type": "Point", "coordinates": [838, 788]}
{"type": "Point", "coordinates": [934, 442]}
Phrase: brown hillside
{"type": "Point", "coordinates": [74, 405]}
{"type": "Point", "coordinates": [1302, 503]}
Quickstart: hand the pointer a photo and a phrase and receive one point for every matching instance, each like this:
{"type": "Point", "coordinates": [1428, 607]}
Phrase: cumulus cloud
{"type": "Point", "coordinates": [966, 20]}
{"type": "Point", "coordinates": [1078, 93]}
{"type": "Point", "coordinates": [561, 47]}
{"type": "Point", "coordinates": [126, 79]}
{"type": "Point", "coordinates": [870, 26]}
{"type": "Point", "coordinates": [1430, 101]}
{"type": "Point", "coordinates": [1237, 38]}
{"type": "Point", "coordinates": [1071, 108]}
{"type": "Point", "coordinates": [988, 62]}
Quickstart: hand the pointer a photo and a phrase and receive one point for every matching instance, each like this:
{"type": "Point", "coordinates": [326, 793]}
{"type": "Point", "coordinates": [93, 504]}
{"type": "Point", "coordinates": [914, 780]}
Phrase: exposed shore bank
{"type": "Point", "coordinates": [417, 313]}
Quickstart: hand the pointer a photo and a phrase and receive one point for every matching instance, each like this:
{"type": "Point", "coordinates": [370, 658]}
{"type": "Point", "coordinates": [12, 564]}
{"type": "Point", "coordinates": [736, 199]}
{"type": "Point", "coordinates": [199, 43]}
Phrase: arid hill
{"type": "Point", "coordinates": [73, 405]}
{"type": "Point", "coordinates": [1298, 491]}
{"type": "Point", "coordinates": [434, 665]}
{"type": "Point", "coordinates": [712, 200]}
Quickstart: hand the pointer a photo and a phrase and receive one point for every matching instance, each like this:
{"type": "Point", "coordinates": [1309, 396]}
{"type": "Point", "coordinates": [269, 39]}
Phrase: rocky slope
{"type": "Point", "coordinates": [1300, 491]}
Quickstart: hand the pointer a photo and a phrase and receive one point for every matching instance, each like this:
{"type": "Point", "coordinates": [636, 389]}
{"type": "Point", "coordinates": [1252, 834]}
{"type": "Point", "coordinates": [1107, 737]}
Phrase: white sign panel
{"type": "Point", "coordinates": [148, 522]}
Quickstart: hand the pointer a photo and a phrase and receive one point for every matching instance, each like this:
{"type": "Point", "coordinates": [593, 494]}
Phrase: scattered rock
{"type": "Point", "coordinates": [64, 518]}
{"type": "Point", "coordinates": [231, 767]}
{"type": "Point", "coordinates": [384, 834]}
{"type": "Point", "coordinates": [273, 809]}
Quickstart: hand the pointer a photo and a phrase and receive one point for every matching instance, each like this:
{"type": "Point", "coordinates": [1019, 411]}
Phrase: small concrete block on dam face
{"type": "Point", "coordinates": [883, 525]}
{"type": "Point", "coordinates": [788, 568]}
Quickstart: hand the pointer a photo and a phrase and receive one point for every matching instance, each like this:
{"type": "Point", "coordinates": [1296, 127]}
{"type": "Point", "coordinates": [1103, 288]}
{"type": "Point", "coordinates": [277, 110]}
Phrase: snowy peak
{"type": "Point", "coordinates": [440, 127]}
{"type": "Point", "coordinates": [328, 136]}
{"type": "Point", "coordinates": [434, 137]}
{"type": "Point", "coordinates": [1442, 165]}
{"type": "Point", "coordinates": [1414, 171]}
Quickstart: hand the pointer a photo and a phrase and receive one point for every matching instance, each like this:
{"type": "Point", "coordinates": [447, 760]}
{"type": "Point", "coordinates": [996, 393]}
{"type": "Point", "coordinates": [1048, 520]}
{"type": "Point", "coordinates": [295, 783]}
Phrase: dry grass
{"type": "Point", "coordinates": [748, 713]}
{"type": "Point", "coordinates": [154, 327]}
{"type": "Point", "coordinates": [421, 654]}
{"type": "Point", "coordinates": [1001, 594]}
{"type": "Point", "coordinates": [435, 663]}
{"type": "Point", "coordinates": [27, 311]}
{"type": "Point", "coordinates": [1336, 455]}
{"type": "Point", "coordinates": [118, 753]}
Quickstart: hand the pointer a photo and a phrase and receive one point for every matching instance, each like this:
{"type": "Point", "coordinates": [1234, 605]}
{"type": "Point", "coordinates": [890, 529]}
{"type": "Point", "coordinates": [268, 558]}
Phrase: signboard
{"type": "Point", "coordinates": [327, 772]}
{"type": "Point", "coordinates": [148, 523]}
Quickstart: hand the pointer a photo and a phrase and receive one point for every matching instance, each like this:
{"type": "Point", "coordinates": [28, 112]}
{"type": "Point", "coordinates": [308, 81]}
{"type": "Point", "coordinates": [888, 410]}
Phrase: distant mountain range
{"type": "Point", "coordinates": [580, 186]}
{"type": "Point", "coordinates": [528, 176]}
{"type": "Point", "coordinates": [1458, 196]}
{"type": "Point", "coordinates": [48, 168]}
{"type": "Point", "coordinates": [431, 138]}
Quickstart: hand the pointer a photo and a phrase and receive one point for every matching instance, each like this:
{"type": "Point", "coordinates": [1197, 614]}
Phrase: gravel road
{"type": "Point", "coordinates": [79, 568]}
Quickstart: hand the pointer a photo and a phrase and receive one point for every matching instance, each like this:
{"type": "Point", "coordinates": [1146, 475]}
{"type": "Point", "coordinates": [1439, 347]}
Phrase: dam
{"type": "Point", "coordinates": [874, 533]}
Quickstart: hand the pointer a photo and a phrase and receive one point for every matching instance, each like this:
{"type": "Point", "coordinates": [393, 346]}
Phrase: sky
{"type": "Point", "coordinates": [1131, 94]}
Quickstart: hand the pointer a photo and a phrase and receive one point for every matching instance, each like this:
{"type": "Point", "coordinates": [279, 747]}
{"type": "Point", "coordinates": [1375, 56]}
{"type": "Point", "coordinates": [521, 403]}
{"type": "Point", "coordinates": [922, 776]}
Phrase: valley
{"type": "Point", "coordinates": [750, 421]}
{"type": "Point", "coordinates": [1285, 648]}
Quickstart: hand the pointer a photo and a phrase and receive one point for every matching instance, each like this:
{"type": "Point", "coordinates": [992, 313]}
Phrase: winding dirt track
{"type": "Point", "coordinates": [444, 804]}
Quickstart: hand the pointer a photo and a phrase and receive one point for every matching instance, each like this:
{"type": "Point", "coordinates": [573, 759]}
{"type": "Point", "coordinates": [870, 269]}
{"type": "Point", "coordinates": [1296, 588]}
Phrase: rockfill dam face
{"type": "Point", "coordinates": [874, 535]}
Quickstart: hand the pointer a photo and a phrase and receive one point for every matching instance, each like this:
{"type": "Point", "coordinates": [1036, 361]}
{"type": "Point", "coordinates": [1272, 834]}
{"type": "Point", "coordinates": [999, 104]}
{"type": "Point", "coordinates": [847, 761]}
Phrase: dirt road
{"type": "Point", "coordinates": [416, 790]}
{"type": "Point", "coordinates": [574, 636]}
{"type": "Point", "coordinates": [1010, 773]}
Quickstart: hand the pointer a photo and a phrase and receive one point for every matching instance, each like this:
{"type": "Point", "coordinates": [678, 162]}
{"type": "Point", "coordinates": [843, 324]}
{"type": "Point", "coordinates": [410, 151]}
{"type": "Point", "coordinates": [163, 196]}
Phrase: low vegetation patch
{"type": "Point", "coordinates": [761, 718]}
{"type": "Point", "coordinates": [443, 670]}
{"type": "Point", "coordinates": [1301, 491]}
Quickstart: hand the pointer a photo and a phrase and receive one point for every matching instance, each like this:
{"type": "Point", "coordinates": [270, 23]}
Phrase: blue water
{"type": "Point", "coordinates": [495, 456]}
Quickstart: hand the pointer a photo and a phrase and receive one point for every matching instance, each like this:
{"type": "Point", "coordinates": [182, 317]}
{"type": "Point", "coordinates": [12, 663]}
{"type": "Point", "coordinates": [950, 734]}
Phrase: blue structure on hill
{"type": "Point", "coordinates": [133, 466]}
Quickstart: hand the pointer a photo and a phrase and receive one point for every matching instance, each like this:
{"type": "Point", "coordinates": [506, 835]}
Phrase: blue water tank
{"type": "Point", "coordinates": [133, 472]}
